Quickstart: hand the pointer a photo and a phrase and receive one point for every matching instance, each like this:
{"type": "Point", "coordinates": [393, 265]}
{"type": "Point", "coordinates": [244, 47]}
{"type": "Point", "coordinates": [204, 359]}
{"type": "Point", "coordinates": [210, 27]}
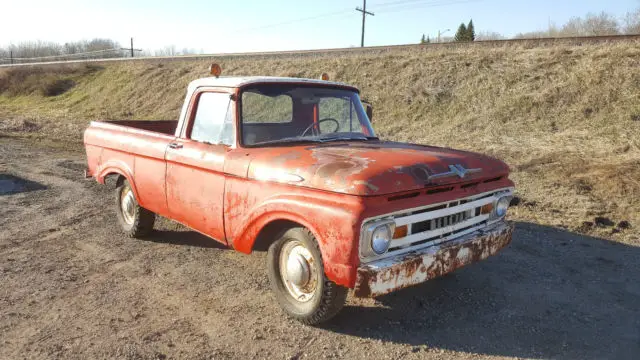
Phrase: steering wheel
{"type": "Point", "coordinates": [317, 125]}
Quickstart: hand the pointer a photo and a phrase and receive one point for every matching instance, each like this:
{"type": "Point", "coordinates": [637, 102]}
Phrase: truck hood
{"type": "Point", "coordinates": [371, 168]}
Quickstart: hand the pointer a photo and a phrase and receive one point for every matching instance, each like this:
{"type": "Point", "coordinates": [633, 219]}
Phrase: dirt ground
{"type": "Point", "coordinates": [73, 287]}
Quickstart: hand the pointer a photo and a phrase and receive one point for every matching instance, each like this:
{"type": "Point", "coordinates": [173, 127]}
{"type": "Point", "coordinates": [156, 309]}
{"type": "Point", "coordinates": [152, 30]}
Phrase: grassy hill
{"type": "Point", "coordinates": [566, 118]}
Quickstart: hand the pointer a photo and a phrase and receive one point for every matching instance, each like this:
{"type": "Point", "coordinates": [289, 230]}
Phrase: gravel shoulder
{"type": "Point", "coordinates": [74, 287]}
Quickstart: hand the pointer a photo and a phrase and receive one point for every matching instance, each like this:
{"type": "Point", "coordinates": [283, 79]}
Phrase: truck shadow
{"type": "Point", "coordinates": [11, 184]}
{"type": "Point", "coordinates": [184, 238]}
{"type": "Point", "coordinates": [551, 294]}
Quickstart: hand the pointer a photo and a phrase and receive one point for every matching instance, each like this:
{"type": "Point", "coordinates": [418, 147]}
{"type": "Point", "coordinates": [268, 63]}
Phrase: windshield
{"type": "Point", "coordinates": [277, 113]}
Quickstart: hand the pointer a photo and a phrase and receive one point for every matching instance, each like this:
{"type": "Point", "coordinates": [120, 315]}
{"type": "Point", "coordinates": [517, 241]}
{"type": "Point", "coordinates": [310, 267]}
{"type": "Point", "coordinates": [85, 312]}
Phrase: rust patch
{"type": "Point", "coordinates": [414, 268]}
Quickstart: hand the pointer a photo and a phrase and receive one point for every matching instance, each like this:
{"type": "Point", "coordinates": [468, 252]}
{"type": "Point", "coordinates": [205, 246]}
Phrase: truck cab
{"type": "Point", "coordinates": [294, 166]}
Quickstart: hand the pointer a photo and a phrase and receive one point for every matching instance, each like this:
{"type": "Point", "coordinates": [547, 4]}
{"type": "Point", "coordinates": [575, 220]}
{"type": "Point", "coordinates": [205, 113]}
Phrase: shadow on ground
{"type": "Point", "coordinates": [184, 238]}
{"type": "Point", "coordinates": [11, 184]}
{"type": "Point", "coordinates": [551, 294]}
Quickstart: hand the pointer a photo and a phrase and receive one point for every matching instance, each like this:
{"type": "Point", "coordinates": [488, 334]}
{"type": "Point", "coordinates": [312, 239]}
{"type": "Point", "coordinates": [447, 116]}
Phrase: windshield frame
{"type": "Point", "coordinates": [303, 140]}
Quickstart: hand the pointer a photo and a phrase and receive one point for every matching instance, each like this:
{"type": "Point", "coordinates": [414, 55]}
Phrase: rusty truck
{"type": "Point", "coordinates": [293, 166]}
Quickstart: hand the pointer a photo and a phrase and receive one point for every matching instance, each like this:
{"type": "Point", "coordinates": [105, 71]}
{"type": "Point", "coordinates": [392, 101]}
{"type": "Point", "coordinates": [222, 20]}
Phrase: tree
{"type": "Point", "coordinates": [428, 40]}
{"type": "Point", "coordinates": [489, 35]}
{"type": "Point", "coordinates": [632, 22]}
{"type": "Point", "coordinates": [471, 32]}
{"type": "Point", "coordinates": [601, 24]}
{"type": "Point", "coordinates": [423, 40]}
{"type": "Point", "coordinates": [461, 34]}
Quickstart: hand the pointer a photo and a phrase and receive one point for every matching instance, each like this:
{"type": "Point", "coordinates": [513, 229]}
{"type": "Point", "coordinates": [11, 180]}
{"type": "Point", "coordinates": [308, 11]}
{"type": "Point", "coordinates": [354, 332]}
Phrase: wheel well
{"type": "Point", "coordinates": [114, 179]}
{"type": "Point", "coordinates": [271, 232]}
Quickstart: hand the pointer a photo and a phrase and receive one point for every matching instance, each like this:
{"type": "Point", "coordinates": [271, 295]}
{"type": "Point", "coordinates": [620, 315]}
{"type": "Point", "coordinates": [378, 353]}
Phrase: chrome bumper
{"type": "Point", "coordinates": [390, 274]}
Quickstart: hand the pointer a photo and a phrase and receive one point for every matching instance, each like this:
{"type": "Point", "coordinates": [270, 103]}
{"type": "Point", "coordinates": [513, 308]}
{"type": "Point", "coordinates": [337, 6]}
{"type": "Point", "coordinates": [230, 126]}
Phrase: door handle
{"type": "Point", "coordinates": [175, 145]}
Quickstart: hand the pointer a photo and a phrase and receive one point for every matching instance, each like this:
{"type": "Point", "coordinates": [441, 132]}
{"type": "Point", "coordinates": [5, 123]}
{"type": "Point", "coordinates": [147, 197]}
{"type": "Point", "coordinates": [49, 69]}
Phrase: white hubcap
{"type": "Point", "coordinates": [128, 205]}
{"type": "Point", "coordinates": [298, 271]}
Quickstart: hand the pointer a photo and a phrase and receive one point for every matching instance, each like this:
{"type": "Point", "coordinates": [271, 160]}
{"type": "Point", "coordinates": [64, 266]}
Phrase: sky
{"type": "Point", "coordinates": [218, 26]}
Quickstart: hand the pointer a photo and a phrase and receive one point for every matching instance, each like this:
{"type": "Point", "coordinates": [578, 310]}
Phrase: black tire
{"type": "Point", "coordinates": [328, 298]}
{"type": "Point", "coordinates": [140, 221]}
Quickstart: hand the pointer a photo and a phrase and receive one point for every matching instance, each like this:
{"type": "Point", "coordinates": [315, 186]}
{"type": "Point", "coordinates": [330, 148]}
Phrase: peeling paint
{"type": "Point", "coordinates": [375, 168]}
{"type": "Point", "coordinates": [391, 274]}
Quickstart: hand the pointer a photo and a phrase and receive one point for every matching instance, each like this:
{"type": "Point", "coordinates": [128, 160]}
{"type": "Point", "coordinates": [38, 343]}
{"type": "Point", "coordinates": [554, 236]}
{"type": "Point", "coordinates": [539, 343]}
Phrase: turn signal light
{"type": "Point", "coordinates": [400, 232]}
{"type": "Point", "coordinates": [215, 70]}
{"type": "Point", "coordinates": [486, 209]}
{"type": "Point", "coordinates": [324, 76]}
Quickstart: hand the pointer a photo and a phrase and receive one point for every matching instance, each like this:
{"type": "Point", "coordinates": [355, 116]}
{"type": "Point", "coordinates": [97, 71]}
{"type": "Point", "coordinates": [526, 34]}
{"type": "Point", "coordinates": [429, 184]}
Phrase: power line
{"type": "Point", "coordinates": [401, 2]}
{"type": "Point", "coordinates": [86, 54]}
{"type": "Point", "coordinates": [66, 55]}
{"type": "Point", "coordinates": [388, 7]}
{"type": "Point", "coordinates": [421, 5]}
{"type": "Point", "coordinates": [293, 21]}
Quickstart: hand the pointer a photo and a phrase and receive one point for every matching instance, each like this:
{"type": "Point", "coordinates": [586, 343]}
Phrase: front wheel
{"type": "Point", "coordinates": [135, 220]}
{"type": "Point", "coordinates": [298, 280]}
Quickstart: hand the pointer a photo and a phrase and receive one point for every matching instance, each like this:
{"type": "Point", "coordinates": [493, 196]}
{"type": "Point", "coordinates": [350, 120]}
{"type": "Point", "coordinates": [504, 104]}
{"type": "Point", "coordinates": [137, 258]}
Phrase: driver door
{"type": "Point", "coordinates": [195, 175]}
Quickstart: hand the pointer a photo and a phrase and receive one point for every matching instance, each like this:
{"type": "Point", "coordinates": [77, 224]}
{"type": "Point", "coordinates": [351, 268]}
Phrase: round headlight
{"type": "Point", "coordinates": [380, 239]}
{"type": "Point", "coordinates": [502, 206]}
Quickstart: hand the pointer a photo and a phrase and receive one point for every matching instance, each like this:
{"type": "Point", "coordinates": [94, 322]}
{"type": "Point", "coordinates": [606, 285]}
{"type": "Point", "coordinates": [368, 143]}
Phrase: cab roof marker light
{"type": "Point", "coordinates": [215, 70]}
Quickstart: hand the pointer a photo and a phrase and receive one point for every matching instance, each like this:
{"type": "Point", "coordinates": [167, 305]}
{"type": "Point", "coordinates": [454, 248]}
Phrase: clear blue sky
{"type": "Point", "coordinates": [252, 25]}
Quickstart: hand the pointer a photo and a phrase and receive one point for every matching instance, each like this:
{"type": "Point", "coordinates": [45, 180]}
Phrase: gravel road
{"type": "Point", "coordinates": [73, 287]}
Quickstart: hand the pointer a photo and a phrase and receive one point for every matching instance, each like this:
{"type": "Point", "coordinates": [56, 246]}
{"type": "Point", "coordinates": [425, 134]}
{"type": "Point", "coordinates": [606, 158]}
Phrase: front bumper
{"type": "Point", "coordinates": [387, 275]}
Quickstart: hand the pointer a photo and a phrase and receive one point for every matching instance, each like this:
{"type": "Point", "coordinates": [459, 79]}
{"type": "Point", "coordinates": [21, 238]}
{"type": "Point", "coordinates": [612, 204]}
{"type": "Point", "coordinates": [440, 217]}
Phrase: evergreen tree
{"type": "Point", "coordinates": [423, 40]}
{"type": "Point", "coordinates": [428, 40]}
{"type": "Point", "coordinates": [461, 34]}
{"type": "Point", "coordinates": [471, 32]}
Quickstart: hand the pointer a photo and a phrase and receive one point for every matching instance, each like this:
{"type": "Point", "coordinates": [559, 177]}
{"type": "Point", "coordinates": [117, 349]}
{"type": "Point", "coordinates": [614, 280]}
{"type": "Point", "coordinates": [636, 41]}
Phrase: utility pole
{"type": "Point", "coordinates": [11, 56]}
{"type": "Point", "coordinates": [364, 15]}
{"type": "Point", "coordinates": [131, 49]}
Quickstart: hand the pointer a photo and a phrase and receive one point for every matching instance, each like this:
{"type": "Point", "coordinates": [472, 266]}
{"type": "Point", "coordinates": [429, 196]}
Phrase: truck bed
{"type": "Point", "coordinates": [167, 127]}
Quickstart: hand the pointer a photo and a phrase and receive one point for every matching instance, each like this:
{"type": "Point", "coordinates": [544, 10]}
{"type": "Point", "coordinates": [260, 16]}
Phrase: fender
{"type": "Point", "coordinates": [119, 167]}
{"type": "Point", "coordinates": [333, 228]}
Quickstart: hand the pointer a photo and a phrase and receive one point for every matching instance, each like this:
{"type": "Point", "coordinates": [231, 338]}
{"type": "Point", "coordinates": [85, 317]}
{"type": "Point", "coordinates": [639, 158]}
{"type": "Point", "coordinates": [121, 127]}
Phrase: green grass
{"type": "Point", "coordinates": [566, 118]}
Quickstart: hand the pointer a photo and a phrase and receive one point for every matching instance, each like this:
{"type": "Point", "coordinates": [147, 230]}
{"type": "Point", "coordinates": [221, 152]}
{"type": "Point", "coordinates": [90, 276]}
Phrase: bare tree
{"type": "Point", "coordinates": [41, 50]}
{"type": "Point", "coordinates": [600, 24]}
{"type": "Point", "coordinates": [187, 51]}
{"type": "Point", "coordinates": [632, 22]}
{"type": "Point", "coordinates": [169, 50]}
{"type": "Point", "coordinates": [489, 35]}
{"type": "Point", "coordinates": [590, 25]}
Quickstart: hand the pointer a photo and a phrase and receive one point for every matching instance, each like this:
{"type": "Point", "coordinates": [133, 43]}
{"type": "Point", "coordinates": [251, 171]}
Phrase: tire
{"type": "Point", "coordinates": [320, 298]}
{"type": "Point", "coordinates": [136, 221]}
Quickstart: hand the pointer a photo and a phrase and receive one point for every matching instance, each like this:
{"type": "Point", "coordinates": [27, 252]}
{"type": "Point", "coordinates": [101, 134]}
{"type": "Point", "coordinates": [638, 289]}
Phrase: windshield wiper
{"type": "Point", "coordinates": [350, 136]}
{"type": "Point", "coordinates": [290, 140]}
{"type": "Point", "coordinates": [319, 139]}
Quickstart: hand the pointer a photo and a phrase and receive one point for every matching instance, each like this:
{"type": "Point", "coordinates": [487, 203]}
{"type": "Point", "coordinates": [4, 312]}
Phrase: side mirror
{"type": "Point", "coordinates": [369, 109]}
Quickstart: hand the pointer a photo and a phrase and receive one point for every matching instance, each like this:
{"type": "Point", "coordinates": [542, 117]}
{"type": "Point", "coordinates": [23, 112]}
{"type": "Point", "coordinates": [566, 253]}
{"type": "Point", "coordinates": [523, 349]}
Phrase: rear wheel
{"type": "Point", "coordinates": [135, 220]}
{"type": "Point", "coordinates": [298, 280]}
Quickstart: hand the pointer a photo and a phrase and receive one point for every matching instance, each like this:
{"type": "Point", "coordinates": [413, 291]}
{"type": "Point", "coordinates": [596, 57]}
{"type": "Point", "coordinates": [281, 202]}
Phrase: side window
{"type": "Point", "coordinates": [213, 122]}
{"type": "Point", "coordinates": [341, 110]}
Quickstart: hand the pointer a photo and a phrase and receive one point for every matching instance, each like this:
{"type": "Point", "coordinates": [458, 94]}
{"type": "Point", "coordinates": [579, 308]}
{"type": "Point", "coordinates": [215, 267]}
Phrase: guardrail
{"type": "Point", "coordinates": [532, 41]}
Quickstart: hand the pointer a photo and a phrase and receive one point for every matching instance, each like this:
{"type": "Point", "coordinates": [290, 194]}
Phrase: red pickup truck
{"type": "Point", "coordinates": [293, 166]}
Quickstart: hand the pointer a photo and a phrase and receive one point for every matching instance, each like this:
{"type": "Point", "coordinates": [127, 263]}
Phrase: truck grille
{"type": "Point", "coordinates": [438, 223]}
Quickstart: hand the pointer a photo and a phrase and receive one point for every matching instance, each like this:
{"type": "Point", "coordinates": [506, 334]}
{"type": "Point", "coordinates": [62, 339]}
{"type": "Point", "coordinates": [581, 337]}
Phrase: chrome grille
{"type": "Point", "coordinates": [437, 223]}
{"type": "Point", "coordinates": [440, 222]}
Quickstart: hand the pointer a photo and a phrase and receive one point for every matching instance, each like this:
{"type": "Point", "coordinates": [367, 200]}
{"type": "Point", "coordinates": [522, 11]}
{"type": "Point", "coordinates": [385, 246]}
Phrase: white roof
{"type": "Point", "coordinates": [237, 81]}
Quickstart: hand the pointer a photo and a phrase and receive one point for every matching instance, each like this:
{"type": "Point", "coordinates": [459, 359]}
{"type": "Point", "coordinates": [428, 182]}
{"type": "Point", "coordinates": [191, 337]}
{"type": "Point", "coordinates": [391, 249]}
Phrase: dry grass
{"type": "Point", "coordinates": [43, 81]}
{"type": "Point", "coordinates": [566, 118]}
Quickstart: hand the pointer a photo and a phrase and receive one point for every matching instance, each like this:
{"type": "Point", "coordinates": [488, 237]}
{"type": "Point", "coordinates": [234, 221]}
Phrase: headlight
{"type": "Point", "coordinates": [380, 239]}
{"type": "Point", "coordinates": [377, 237]}
{"type": "Point", "coordinates": [502, 205]}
